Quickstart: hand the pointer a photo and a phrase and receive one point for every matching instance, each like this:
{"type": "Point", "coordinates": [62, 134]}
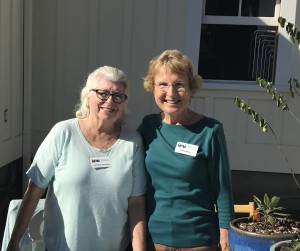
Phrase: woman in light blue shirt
{"type": "Point", "coordinates": [93, 170]}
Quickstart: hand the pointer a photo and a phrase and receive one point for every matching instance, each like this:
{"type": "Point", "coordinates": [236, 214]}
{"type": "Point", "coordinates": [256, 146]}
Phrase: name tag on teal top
{"type": "Point", "coordinates": [187, 149]}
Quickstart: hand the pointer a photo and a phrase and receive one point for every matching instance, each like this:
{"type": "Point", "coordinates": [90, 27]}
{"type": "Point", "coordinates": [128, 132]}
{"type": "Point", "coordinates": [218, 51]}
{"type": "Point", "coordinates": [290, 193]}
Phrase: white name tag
{"type": "Point", "coordinates": [186, 149]}
{"type": "Point", "coordinates": [100, 162]}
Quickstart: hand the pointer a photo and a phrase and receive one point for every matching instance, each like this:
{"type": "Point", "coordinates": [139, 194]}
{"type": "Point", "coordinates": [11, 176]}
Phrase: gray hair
{"type": "Point", "coordinates": [106, 72]}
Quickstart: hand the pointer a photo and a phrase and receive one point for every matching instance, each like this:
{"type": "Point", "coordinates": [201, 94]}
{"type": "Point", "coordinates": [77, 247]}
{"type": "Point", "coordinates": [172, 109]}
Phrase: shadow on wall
{"type": "Point", "coordinates": [246, 184]}
{"type": "Point", "coordinates": [10, 188]}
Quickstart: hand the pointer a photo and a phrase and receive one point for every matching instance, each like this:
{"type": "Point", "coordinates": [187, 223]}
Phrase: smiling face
{"type": "Point", "coordinates": [106, 110]}
{"type": "Point", "coordinates": [174, 103]}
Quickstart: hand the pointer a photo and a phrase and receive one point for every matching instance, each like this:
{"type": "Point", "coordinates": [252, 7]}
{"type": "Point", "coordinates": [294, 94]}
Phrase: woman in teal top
{"type": "Point", "coordinates": [186, 161]}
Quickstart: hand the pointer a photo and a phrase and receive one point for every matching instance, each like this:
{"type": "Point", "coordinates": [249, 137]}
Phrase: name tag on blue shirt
{"type": "Point", "coordinates": [100, 162]}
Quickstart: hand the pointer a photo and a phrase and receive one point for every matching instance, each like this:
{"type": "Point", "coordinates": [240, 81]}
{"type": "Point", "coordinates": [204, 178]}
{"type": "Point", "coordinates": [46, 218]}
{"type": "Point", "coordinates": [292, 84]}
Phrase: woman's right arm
{"type": "Point", "coordinates": [28, 205]}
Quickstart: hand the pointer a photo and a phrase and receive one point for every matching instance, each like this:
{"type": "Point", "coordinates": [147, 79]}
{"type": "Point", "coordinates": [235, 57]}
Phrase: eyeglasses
{"type": "Point", "coordinates": [179, 87]}
{"type": "Point", "coordinates": [104, 95]}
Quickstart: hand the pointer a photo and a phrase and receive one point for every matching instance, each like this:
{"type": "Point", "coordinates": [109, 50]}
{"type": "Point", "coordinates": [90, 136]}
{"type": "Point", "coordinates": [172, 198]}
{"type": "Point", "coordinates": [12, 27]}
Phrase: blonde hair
{"type": "Point", "coordinates": [177, 63]}
{"type": "Point", "coordinates": [106, 72]}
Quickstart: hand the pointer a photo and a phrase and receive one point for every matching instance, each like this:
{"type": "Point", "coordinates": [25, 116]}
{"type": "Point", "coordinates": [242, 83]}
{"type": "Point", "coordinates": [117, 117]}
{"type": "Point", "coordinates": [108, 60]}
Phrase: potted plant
{"type": "Point", "coordinates": [265, 232]}
{"type": "Point", "coordinates": [288, 245]}
{"type": "Point", "coordinates": [270, 224]}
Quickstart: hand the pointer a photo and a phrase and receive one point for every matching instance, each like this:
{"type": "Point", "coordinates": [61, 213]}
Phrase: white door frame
{"type": "Point", "coordinates": [27, 102]}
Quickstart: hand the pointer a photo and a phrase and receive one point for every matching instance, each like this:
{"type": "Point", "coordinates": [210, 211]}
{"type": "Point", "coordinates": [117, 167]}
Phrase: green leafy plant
{"type": "Point", "coordinates": [270, 218]}
{"type": "Point", "coordinates": [268, 210]}
{"type": "Point", "coordinates": [290, 29]}
{"type": "Point", "coordinates": [294, 245]}
{"type": "Point", "coordinates": [275, 96]}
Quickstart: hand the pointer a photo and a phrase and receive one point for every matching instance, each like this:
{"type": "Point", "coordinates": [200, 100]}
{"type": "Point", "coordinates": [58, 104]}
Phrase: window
{"type": "Point", "coordinates": [255, 8]}
{"type": "Point", "coordinates": [238, 40]}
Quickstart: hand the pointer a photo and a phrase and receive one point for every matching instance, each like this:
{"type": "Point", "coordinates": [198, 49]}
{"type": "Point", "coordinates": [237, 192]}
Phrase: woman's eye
{"type": "Point", "coordinates": [178, 85]}
{"type": "Point", "coordinates": [162, 85]}
{"type": "Point", "coordinates": [103, 94]}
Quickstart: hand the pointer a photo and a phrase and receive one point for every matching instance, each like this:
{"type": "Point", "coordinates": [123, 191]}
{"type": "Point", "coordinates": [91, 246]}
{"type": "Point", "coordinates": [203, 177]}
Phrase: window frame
{"type": "Point", "coordinates": [283, 70]}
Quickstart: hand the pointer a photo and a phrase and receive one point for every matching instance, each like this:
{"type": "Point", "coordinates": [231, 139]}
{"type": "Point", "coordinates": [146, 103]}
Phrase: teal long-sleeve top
{"type": "Point", "coordinates": [183, 189]}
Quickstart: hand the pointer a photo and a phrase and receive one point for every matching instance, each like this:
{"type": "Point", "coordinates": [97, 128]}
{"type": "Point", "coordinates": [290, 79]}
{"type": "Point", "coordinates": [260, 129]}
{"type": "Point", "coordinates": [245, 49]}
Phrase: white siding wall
{"type": "Point", "coordinates": [11, 80]}
{"type": "Point", "coordinates": [71, 39]}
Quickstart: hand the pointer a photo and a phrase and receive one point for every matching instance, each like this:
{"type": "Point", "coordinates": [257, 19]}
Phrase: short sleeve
{"type": "Point", "coordinates": [42, 169]}
{"type": "Point", "coordinates": [138, 170]}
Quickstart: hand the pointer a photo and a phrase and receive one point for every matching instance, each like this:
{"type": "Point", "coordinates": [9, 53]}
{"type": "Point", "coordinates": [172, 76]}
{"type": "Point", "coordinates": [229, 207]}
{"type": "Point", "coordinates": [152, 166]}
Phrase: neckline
{"type": "Point", "coordinates": [181, 126]}
{"type": "Point", "coordinates": [93, 147]}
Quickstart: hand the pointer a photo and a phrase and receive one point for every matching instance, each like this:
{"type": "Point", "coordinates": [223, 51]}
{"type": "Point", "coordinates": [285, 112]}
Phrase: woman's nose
{"type": "Point", "coordinates": [109, 99]}
{"type": "Point", "coordinates": [171, 90]}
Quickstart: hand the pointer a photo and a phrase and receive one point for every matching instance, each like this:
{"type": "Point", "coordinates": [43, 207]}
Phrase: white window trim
{"type": "Point", "coordinates": [285, 48]}
{"type": "Point", "coordinates": [284, 55]}
{"type": "Point", "coordinates": [268, 21]}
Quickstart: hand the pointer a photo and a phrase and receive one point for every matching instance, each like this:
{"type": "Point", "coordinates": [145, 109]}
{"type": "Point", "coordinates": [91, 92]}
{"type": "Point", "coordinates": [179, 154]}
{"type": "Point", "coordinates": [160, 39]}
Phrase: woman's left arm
{"type": "Point", "coordinates": [224, 241]}
{"type": "Point", "coordinates": [137, 222]}
{"type": "Point", "coordinates": [221, 185]}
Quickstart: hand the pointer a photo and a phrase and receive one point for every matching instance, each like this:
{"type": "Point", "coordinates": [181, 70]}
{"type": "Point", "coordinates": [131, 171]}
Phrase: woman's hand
{"type": "Point", "coordinates": [224, 240]}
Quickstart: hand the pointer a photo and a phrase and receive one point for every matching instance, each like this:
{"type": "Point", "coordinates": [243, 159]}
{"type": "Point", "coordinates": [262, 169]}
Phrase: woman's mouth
{"type": "Point", "coordinates": [172, 102]}
{"type": "Point", "coordinates": [109, 109]}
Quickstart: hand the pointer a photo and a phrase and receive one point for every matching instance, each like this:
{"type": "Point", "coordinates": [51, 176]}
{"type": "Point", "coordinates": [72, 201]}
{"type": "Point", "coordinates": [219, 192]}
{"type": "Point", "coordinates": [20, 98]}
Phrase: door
{"type": "Point", "coordinates": [11, 80]}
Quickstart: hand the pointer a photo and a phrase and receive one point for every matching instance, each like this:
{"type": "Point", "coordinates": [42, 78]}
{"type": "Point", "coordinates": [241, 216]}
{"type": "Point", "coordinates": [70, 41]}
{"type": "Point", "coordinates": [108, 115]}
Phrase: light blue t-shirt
{"type": "Point", "coordinates": [86, 207]}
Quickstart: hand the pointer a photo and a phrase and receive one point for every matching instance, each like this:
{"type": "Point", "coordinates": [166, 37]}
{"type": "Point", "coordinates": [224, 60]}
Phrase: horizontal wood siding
{"type": "Point", "coordinates": [71, 39]}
